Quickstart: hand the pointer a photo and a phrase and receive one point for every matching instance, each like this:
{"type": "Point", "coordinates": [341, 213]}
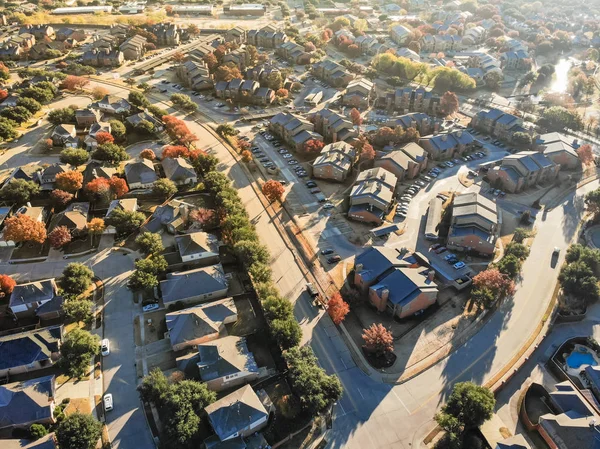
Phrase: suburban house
{"type": "Point", "coordinates": [42, 50]}
{"type": "Point", "coordinates": [27, 298]}
{"type": "Point", "coordinates": [237, 415]}
{"type": "Point", "coordinates": [65, 135]}
{"type": "Point", "coordinates": [236, 34]}
{"type": "Point", "coordinates": [416, 120]}
{"type": "Point", "coordinates": [103, 57]}
{"type": "Point", "coordinates": [474, 226]}
{"type": "Point", "coordinates": [171, 216]}
{"type": "Point", "coordinates": [560, 149]}
{"type": "Point", "coordinates": [86, 117]}
{"type": "Point", "coordinates": [198, 247]}
{"type": "Point", "coordinates": [237, 57]}
{"type": "Point", "coordinates": [29, 172]}
{"type": "Point", "coordinates": [400, 34]}
{"type": "Point", "coordinates": [409, 99]}
{"type": "Point", "coordinates": [195, 286]}
{"type": "Point", "coordinates": [474, 36]}
{"type": "Point", "coordinates": [515, 60]}
{"type": "Point", "coordinates": [27, 402]}
{"type": "Point", "coordinates": [226, 363]}
{"type": "Point", "coordinates": [65, 33]}
{"type": "Point", "coordinates": [48, 174]}
{"type": "Point", "coordinates": [407, 162]}
{"type": "Point", "coordinates": [498, 123]}
{"type": "Point", "coordinates": [133, 48]}
{"type": "Point", "coordinates": [314, 97]}
{"type": "Point", "coordinates": [440, 42]}
{"type": "Point", "coordinates": [399, 285]}
{"type": "Point", "coordinates": [190, 327]}
{"type": "Point", "coordinates": [522, 170]}
{"type": "Point", "coordinates": [333, 127]}
{"type": "Point", "coordinates": [135, 119]}
{"type": "Point", "coordinates": [95, 169]}
{"type": "Point", "coordinates": [29, 351]}
{"type": "Point", "coordinates": [447, 145]}
{"type": "Point", "coordinates": [140, 174]}
{"type": "Point", "coordinates": [125, 204]}
{"type": "Point", "coordinates": [335, 161]}
{"type": "Point", "coordinates": [180, 171]}
{"type": "Point", "coordinates": [90, 141]}
{"type": "Point", "coordinates": [332, 73]}
{"type": "Point", "coordinates": [371, 196]}
{"type": "Point", "coordinates": [74, 217]}
{"type": "Point", "coordinates": [293, 52]}
{"type": "Point", "coordinates": [267, 37]}
{"type": "Point", "coordinates": [39, 31]}
{"type": "Point", "coordinates": [358, 93]}
{"type": "Point", "coordinates": [114, 105]}
{"type": "Point", "coordinates": [294, 130]}
{"type": "Point", "coordinates": [10, 52]}
{"type": "Point", "coordinates": [247, 91]}
{"type": "Point", "coordinates": [194, 74]}
{"type": "Point", "coordinates": [167, 34]}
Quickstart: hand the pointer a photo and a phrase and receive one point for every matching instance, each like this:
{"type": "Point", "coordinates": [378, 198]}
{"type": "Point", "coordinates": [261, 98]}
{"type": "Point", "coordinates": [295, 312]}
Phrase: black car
{"type": "Point", "coordinates": [311, 183]}
{"type": "Point", "coordinates": [327, 251]}
{"type": "Point", "coordinates": [334, 259]}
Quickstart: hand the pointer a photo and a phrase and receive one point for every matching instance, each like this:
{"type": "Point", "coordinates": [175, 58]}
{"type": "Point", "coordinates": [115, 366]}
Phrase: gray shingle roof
{"type": "Point", "coordinates": [28, 347]}
{"type": "Point", "coordinates": [26, 402]}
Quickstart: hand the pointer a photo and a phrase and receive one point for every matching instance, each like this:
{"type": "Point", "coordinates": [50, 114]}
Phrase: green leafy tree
{"type": "Point", "coordinates": [7, 129]}
{"type": "Point", "coordinates": [153, 265]}
{"type": "Point", "coordinates": [142, 280]}
{"type": "Point", "coordinates": [251, 252]}
{"type": "Point", "coordinates": [149, 243]}
{"type": "Point", "coordinates": [144, 127]}
{"type": "Point", "coordinates": [521, 234]}
{"type": "Point", "coordinates": [154, 387]}
{"type": "Point", "coordinates": [559, 118]}
{"type": "Point", "coordinates": [287, 333]}
{"type": "Point", "coordinates": [277, 308]}
{"type": "Point", "coordinates": [469, 404]}
{"type": "Point", "coordinates": [39, 94]}
{"type": "Point", "coordinates": [578, 279]}
{"type": "Point", "coordinates": [79, 310]}
{"type": "Point", "coordinates": [184, 102]}
{"type": "Point", "coordinates": [522, 138]}
{"type": "Point", "coordinates": [226, 130]}
{"type": "Point", "coordinates": [164, 187]}
{"type": "Point", "coordinates": [204, 163]}
{"type": "Point", "coordinates": [592, 202]}
{"type": "Point", "coordinates": [518, 250]}
{"type": "Point", "coordinates": [77, 351]}
{"type": "Point", "coordinates": [125, 222]}
{"type": "Point", "coordinates": [117, 129]}
{"type": "Point", "coordinates": [74, 156]}
{"type": "Point", "coordinates": [157, 112]}
{"type": "Point", "coordinates": [510, 265]}
{"type": "Point", "coordinates": [110, 152]}
{"type": "Point", "coordinates": [78, 431]}
{"type": "Point", "coordinates": [76, 278]}
{"type": "Point", "coordinates": [138, 99]}
{"type": "Point", "coordinates": [19, 191]}
{"type": "Point", "coordinates": [60, 116]}
{"type": "Point", "coordinates": [37, 431]}
{"type": "Point", "coordinates": [19, 114]}
{"type": "Point", "coordinates": [30, 104]}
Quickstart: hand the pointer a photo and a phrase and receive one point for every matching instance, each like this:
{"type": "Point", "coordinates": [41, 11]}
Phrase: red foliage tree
{"type": "Point", "coordinates": [313, 146]}
{"type": "Point", "coordinates": [69, 181]}
{"type": "Point", "coordinates": [585, 154]}
{"type": "Point", "coordinates": [23, 228]}
{"type": "Point", "coordinates": [367, 153]}
{"type": "Point", "coordinates": [103, 137]}
{"type": "Point", "coordinates": [118, 186]}
{"type": "Point", "coordinates": [60, 197]}
{"type": "Point", "coordinates": [3, 94]}
{"type": "Point", "coordinates": [499, 284]}
{"type": "Point", "coordinates": [99, 188]}
{"type": "Point", "coordinates": [326, 34]}
{"type": "Point", "coordinates": [148, 154]}
{"type": "Point", "coordinates": [205, 217]}
{"type": "Point", "coordinates": [73, 82]}
{"type": "Point", "coordinates": [337, 308]}
{"type": "Point", "coordinates": [173, 151]}
{"type": "Point", "coordinates": [211, 61]}
{"type": "Point", "coordinates": [273, 190]}
{"type": "Point", "coordinates": [243, 145]}
{"type": "Point", "coordinates": [282, 93]}
{"type": "Point", "coordinates": [59, 237]}
{"type": "Point", "coordinates": [378, 340]}
{"type": "Point", "coordinates": [449, 103]}
{"type": "Point", "coordinates": [355, 117]}
{"type": "Point", "coordinates": [7, 284]}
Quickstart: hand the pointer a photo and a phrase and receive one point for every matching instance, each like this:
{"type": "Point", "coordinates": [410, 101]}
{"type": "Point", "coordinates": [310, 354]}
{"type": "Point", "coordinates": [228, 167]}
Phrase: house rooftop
{"type": "Point", "coordinates": [28, 347]}
{"type": "Point", "coordinates": [22, 403]}
{"type": "Point", "coordinates": [184, 284]}
{"type": "Point", "coordinates": [196, 242]}
{"type": "Point", "coordinates": [225, 356]}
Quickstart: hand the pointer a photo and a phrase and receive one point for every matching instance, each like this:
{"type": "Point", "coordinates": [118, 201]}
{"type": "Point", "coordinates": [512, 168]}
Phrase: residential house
{"type": "Point", "coordinates": [248, 91]}
{"type": "Point", "coordinates": [114, 105]}
{"type": "Point", "coordinates": [43, 50]}
{"type": "Point", "coordinates": [167, 34]}
{"type": "Point", "coordinates": [190, 327]}
{"type": "Point", "coordinates": [333, 126]}
{"type": "Point", "coordinates": [409, 99]}
{"type": "Point", "coordinates": [25, 41]}
{"type": "Point", "coordinates": [180, 171]}
{"type": "Point", "coordinates": [39, 31]}
{"type": "Point", "coordinates": [103, 57]}
{"type": "Point", "coordinates": [95, 169]}
{"type": "Point", "coordinates": [514, 442]}
{"type": "Point", "coordinates": [133, 48]}
{"type": "Point", "coordinates": [105, 42]}
{"type": "Point", "coordinates": [293, 52]}
{"type": "Point", "coordinates": [264, 96]}
{"type": "Point", "coordinates": [262, 72]}
{"type": "Point", "coordinates": [124, 204]}
{"type": "Point", "coordinates": [48, 175]}
{"type": "Point", "coordinates": [10, 52]}
{"type": "Point", "coordinates": [294, 130]}
{"type": "Point", "coordinates": [66, 33]}
{"type": "Point", "coordinates": [498, 123]}
{"type": "Point", "coordinates": [335, 161]}
{"type": "Point", "coordinates": [267, 37]}
{"type": "Point", "coordinates": [474, 36]}
{"type": "Point", "coordinates": [65, 135]}
{"type": "Point", "coordinates": [135, 119]}
{"type": "Point", "coordinates": [371, 196]}
{"type": "Point", "coordinates": [29, 172]}
{"type": "Point", "coordinates": [400, 34]}
{"type": "Point", "coordinates": [474, 226]}
{"type": "Point", "coordinates": [86, 117]}
{"type": "Point", "coordinates": [194, 286]}
{"type": "Point", "coordinates": [447, 145]}
{"type": "Point", "coordinates": [198, 247]}
{"type": "Point", "coordinates": [314, 97]}
{"type": "Point", "coordinates": [237, 415]}
{"type": "Point", "coordinates": [522, 170]}
{"type": "Point", "coordinates": [26, 298]}
{"type": "Point", "coordinates": [28, 351]}
{"type": "Point", "coordinates": [226, 363]}
{"type": "Point", "coordinates": [560, 149]}
{"type": "Point", "coordinates": [407, 162]}
{"type": "Point", "coordinates": [238, 57]}
{"type": "Point", "coordinates": [120, 30]}
{"type": "Point", "coordinates": [236, 34]}
{"type": "Point", "coordinates": [407, 53]}
{"type": "Point", "coordinates": [515, 60]}
{"type": "Point", "coordinates": [194, 75]}
{"type": "Point", "coordinates": [416, 120]}
{"type": "Point", "coordinates": [358, 93]}
{"type": "Point", "coordinates": [89, 141]}
{"type": "Point", "coordinates": [74, 217]}
{"type": "Point", "coordinates": [332, 73]}
{"type": "Point", "coordinates": [45, 442]}
{"type": "Point", "coordinates": [482, 61]}
{"type": "Point", "coordinates": [173, 216]}
{"type": "Point", "coordinates": [27, 402]}
{"type": "Point", "coordinates": [140, 174]}
{"type": "Point", "coordinates": [440, 43]}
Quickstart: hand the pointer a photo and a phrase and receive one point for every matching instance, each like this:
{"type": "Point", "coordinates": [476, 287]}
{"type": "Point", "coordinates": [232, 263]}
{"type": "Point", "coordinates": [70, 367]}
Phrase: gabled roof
{"type": "Point", "coordinates": [141, 171]}
{"type": "Point", "coordinates": [73, 217]}
{"type": "Point", "coordinates": [224, 357]}
{"type": "Point", "coordinates": [235, 412]}
{"type": "Point", "coordinates": [178, 168]}
{"type": "Point", "coordinates": [185, 284]}
{"type": "Point", "coordinates": [32, 292]}
{"type": "Point", "coordinates": [196, 242]}
{"type": "Point", "coordinates": [29, 347]}
{"type": "Point", "coordinates": [405, 284]}
{"type": "Point", "coordinates": [25, 402]}
{"type": "Point", "coordinates": [376, 260]}
{"type": "Point", "coordinates": [126, 204]}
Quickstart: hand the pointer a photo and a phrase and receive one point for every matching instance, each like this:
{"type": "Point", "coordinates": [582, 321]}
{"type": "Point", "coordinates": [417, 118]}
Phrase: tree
{"type": "Point", "coordinates": [19, 191]}
{"type": "Point", "coordinates": [282, 93]}
{"type": "Point", "coordinates": [164, 187]}
{"type": "Point", "coordinates": [337, 308]}
{"type": "Point", "coordinates": [205, 217]}
{"type": "Point", "coordinates": [23, 228]}
{"type": "Point", "coordinates": [77, 350]}
{"type": "Point", "coordinates": [148, 154]}
{"type": "Point", "coordinates": [37, 431]}
{"type": "Point", "coordinates": [178, 57]}
{"type": "Point", "coordinates": [17, 114]}
{"type": "Point", "coordinates": [96, 226]}
{"type": "Point", "coordinates": [73, 82]}
{"type": "Point", "coordinates": [578, 279]}
{"type": "Point", "coordinates": [3, 94]}
{"type": "Point", "coordinates": [274, 80]}
{"type": "Point", "coordinates": [156, 111]}
{"type": "Point", "coordinates": [30, 104]}
{"type": "Point", "coordinates": [204, 163]}
{"type": "Point", "coordinates": [470, 404]}
{"type": "Point", "coordinates": [378, 340]}
{"type": "Point", "coordinates": [7, 285]}
{"type": "Point", "coordinates": [118, 186]}
{"type": "Point", "coordinates": [76, 278]}
{"type": "Point", "coordinates": [521, 234]}
{"type": "Point", "coordinates": [246, 156]}
{"type": "Point", "coordinates": [226, 130]}
{"type": "Point", "coordinates": [78, 431]}
{"type": "Point", "coordinates": [211, 61]}
{"type": "Point", "coordinates": [60, 116]}
{"type": "Point", "coordinates": [585, 154]}
{"type": "Point", "coordinates": [495, 281]}
{"type": "Point", "coordinates": [144, 87]}
{"type": "Point", "coordinates": [449, 103]}
{"type": "Point", "coordinates": [227, 72]}
{"type": "Point", "coordinates": [7, 129]}
{"type": "Point", "coordinates": [154, 387]}
{"type": "Point", "coordinates": [98, 93]}
{"type": "Point", "coordinates": [78, 310]}
{"type": "Point", "coordinates": [184, 102]}
{"type": "Point", "coordinates": [99, 190]}
{"type": "Point", "coordinates": [367, 153]}
{"type": "Point", "coordinates": [250, 252]}
{"type": "Point", "coordinates": [125, 222]}
{"type": "Point", "coordinates": [316, 390]}
{"type": "Point", "coordinates": [149, 243]}
{"type": "Point", "coordinates": [103, 137]}
{"type": "Point", "coordinates": [155, 264]}
{"type": "Point", "coordinates": [273, 190]}
{"type": "Point", "coordinates": [59, 237]}
{"type": "Point", "coordinates": [522, 138]}
{"type": "Point", "coordinates": [74, 156]}
{"type": "Point", "coordinates": [559, 118]}
{"type": "Point", "coordinates": [110, 152]}
{"type": "Point", "coordinates": [142, 280]}
{"type": "Point", "coordinates": [174, 151]}
{"type": "Point", "coordinates": [510, 265]}
{"type": "Point", "coordinates": [69, 181]}
{"type": "Point", "coordinates": [117, 129]}
{"type": "Point", "coordinates": [38, 93]}
{"type": "Point", "coordinates": [313, 146]}
{"type": "Point", "coordinates": [518, 250]}
{"type": "Point", "coordinates": [355, 117]}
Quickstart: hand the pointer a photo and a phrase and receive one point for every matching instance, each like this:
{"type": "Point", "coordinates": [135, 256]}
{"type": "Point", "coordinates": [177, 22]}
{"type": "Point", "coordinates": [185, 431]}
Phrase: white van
{"type": "Point", "coordinates": [108, 402]}
{"type": "Point", "coordinates": [105, 347]}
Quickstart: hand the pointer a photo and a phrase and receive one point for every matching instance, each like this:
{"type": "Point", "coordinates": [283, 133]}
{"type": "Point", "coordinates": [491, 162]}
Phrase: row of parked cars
{"type": "Point", "coordinates": [450, 258]}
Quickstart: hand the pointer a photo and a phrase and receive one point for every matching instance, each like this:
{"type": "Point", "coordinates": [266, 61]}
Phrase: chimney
{"type": "Point", "coordinates": [459, 132]}
{"type": "Point", "coordinates": [431, 275]}
{"type": "Point", "coordinates": [385, 294]}
{"type": "Point", "coordinates": [358, 267]}
{"type": "Point", "coordinates": [183, 210]}
{"type": "Point", "coordinates": [444, 137]}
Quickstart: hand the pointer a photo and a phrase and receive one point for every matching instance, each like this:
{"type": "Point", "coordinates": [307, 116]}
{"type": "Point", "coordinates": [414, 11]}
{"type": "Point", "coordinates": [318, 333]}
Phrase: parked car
{"type": "Point", "coordinates": [449, 164]}
{"type": "Point", "coordinates": [150, 307]}
{"type": "Point", "coordinates": [293, 162]}
{"type": "Point", "coordinates": [328, 206]}
{"type": "Point", "coordinates": [333, 259]}
{"type": "Point", "coordinates": [311, 184]}
{"type": "Point", "coordinates": [327, 251]}
{"type": "Point", "coordinates": [441, 249]}
{"type": "Point", "coordinates": [435, 246]}
{"type": "Point", "coordinates": [459, 265]}
{"type": "Point", "coordinates": [105, 347]}
{"type": "Point", "coordinates": [108, 402]}
{"type": "Point", "coordinates": [449, 256]}
{"type": "Point", "coordinates": [315, 190]}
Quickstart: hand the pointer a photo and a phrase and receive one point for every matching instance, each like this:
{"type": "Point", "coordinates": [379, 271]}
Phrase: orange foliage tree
{"type": "Point", "coordinates": [313, 146]}
{"type": "Point", "coordinates": [103, 137]}
{"type": "Point", "coordinates": [7, 284]}
{"type": "Point", "coordinates": [69, 181]}
{"type": "Point", "coordinates": [585, 154]}
{"type": "Point", "coordinates": [73, 82]}
{"type": "Point", "coordinates": [355, 117]}
{"type": "Point", "coordinates": [175, 151]}
{"type": "Point", "coordinates": [273, 190]}
{"type": "Point", "coordinates": [60, 197]}
{"type": "Point", "coordinates": [59, 237]}
{"type": "Point", "coordinates": [23, 228]}
{"type": "Point", "coordinates": [337, 308]}
{"type": "Point", "coordinates": [148, 154]}
{"type": "Point", "coordinates": [118, 186]}
{"type": "Point", "coordinates": [378, 340]}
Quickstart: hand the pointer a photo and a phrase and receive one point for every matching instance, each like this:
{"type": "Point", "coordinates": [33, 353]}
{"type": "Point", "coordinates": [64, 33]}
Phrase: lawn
{"type": "Point", "coordinates": [79, 245]}
{"type": "Point", "coordinates": [31, 250]}
{"type": "Point", "coordinates": [288, 419]}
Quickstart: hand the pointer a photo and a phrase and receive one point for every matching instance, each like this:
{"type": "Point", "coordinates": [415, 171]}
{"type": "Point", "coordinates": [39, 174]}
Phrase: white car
{"type": "Point", "coordinates": [328, 206]}
{"type": "Point", "coordinates": [108, 402]}
{"type": "Point", "coordinates": [150, 307]}
{"type": "Point", "coordinates": [105, 347]}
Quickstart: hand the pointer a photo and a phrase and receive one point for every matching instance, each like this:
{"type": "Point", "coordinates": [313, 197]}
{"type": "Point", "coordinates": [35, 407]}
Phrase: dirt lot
{"type": "Point", "coordinates": [250, 318]}
{"type": "Point", "coordinates": [155, 330]}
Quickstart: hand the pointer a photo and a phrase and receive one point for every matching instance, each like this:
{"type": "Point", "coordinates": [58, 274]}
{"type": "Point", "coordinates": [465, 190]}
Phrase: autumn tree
{"type": "Point", "coordinates": [337, 308]}
{"type": "Point", "coordinates": [96, 226]}
{"type": "Point", "coordinates": [7, 284]}
{"type": "Point", "coordinates": [99, 189]}
{"type": "Point", "coordinates": [60, 197]}
{"type": "Point", "coordinates": [174, 151]}
{"type": "Point", "coordinates": [282, 93]}
{"type": "Point", "coordinates": [378, 340]}
{"type": "Point", "coordinates": [118, 186]}
{"type": "Point", "coordinates": [227, 72]}
{"type": "Point", "coordinates": [585, 154]}
{"type": "Point", "coordinates": [103, 137]}
{"type": "Point", "coordinates": [273, 190]}
{"type": "Point", "coordinates": [246, 156]}
{"type": "Point", "coordinates": [491, 285]}
{"type": "Point", "coordinates": [148, 154]}
{"type": "Point", "coordinates": [211, 61]}
{"type": "Point", "coordinates": [355, 117]}
{"type": "Point", "coordinates": [69, 181]}
{"type": "Point", "coordinates": [98, 93]}
{"type": "Point", "coordinates": [178, 57]}
{"type": "Point", "coordinates": [449, 103]}
{"type": "Point", "coordinates": [23, 228]}
{"type": "Point", "coordinates": [367, 153]}
{"type": "Point", "coordinates": [313, 146]}
{"type": "Point", "coordinates": [59, 237]}
{"type": "Point", "coordinates": [73, 82]}
{"type": "Point", "coordinates": [203, 216]}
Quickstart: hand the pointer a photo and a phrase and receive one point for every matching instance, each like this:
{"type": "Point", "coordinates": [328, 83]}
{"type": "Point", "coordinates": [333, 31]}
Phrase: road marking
{"type": "Point", "coordinates": [360, 392]}
{"type": "Point", "coordinates": [345, 366]}
{"type": "Point", "coordinates": [402, 402]}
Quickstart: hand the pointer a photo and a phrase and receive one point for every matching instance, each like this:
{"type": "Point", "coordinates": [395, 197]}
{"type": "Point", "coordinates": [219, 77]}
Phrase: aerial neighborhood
{"type": "Point", "coordinates": [300, 224]}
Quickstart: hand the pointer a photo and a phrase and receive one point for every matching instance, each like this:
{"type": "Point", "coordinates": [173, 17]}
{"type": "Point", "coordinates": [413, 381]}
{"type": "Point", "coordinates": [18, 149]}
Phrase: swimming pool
{"type": "Point", "coordinates": [576, 359]}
